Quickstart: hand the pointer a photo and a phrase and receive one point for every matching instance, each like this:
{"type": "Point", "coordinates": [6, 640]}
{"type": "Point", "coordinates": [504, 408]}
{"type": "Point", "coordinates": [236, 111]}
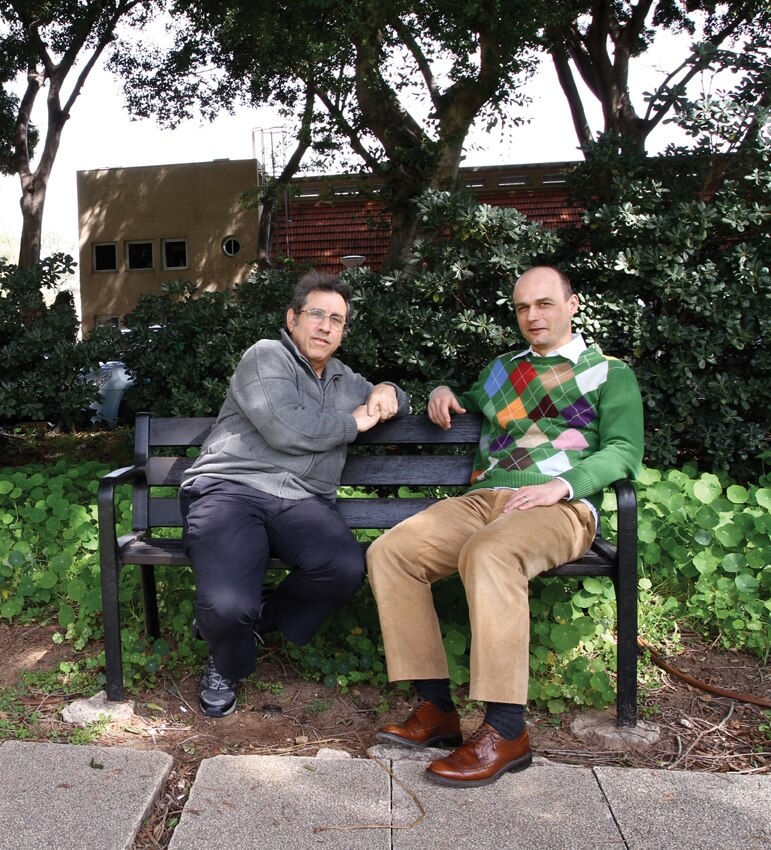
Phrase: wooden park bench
{"type": "Point", "coordinates": [406, 451]}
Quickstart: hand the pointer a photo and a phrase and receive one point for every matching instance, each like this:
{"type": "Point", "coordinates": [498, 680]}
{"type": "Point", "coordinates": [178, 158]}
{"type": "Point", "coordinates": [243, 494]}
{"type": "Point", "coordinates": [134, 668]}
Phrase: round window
{"type": "Point", "coordinates": [230, 246]}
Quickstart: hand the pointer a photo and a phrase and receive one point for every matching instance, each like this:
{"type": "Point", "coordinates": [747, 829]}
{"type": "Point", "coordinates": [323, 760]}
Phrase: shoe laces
{"type": "Point", "coordinates": [424, 703]}
{"type": "Point", "coordinates": [215, 681]}
{"type": "Point", "coordinates": [482, 732]}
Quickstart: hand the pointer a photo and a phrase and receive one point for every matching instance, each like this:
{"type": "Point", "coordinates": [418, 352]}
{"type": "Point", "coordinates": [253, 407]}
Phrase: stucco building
{"type": "Point", "coordinates": [140, 227]}
{"type": "Point", "coordinates": [143, 226]}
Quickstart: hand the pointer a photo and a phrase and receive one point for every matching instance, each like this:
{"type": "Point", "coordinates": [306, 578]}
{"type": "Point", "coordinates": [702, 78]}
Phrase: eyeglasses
{"type": "Point", "coordinates": [318, 316]}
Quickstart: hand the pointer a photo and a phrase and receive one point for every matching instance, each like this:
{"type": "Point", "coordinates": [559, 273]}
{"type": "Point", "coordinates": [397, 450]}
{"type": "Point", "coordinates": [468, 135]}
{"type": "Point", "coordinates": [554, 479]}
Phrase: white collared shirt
{"type": "Point", "coordinates": [570, 350]}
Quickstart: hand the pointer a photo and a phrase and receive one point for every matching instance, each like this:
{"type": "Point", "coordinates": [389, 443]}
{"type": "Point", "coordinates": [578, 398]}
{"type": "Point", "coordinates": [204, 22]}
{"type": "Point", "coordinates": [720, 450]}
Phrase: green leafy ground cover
{"type": "Point", "coordinates": [705, 563]}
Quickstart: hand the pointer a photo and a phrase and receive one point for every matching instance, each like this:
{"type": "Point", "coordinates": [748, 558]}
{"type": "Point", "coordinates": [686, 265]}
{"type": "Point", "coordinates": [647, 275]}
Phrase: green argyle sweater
{"type": "Point", "coordinates": [546, 417]}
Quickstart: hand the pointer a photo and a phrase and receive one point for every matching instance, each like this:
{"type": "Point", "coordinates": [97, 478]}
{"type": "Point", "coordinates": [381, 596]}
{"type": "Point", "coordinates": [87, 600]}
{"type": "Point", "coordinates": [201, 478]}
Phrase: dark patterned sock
{"type": "Point", "coordinates": [436, 691]}
{"type": "Point", "coordinates": [507, 718]}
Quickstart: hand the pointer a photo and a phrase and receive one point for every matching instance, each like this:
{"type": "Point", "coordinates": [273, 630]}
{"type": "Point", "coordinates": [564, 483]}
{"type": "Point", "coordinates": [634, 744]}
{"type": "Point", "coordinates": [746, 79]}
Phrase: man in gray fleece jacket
{"type": "Point", "coordinates": [265, 484]}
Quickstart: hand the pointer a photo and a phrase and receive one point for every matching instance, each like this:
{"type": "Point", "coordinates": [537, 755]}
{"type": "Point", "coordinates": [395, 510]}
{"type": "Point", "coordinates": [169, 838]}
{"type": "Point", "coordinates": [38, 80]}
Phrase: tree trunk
{"type": "Point", "coordinates": [95, 24]}
{"type": "Point", "coordinates": [34, 185]}
{"type": "Point", "coordinates": [417, 162]}
{"type": "Point", "coordinates": [32, 203]}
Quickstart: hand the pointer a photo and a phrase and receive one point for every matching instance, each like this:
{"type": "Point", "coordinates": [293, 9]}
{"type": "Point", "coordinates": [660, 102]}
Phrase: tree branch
{"type": "Point", "coordinates": [569, 88]}
{"type": "Point", "coordinates": [404, 32]}
{"type": "Point", "coordinates": [346, 128]}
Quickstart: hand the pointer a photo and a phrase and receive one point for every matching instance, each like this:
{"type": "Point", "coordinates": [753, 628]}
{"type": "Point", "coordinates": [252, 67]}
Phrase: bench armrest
{"type": "Point", "coordinates": [105, 501]}
{"type": "Point", "coordinates": [626, 526]}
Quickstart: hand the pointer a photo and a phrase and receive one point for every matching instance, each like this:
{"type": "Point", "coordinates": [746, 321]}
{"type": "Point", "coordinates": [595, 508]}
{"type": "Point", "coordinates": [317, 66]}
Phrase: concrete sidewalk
{"type": "Point", "coordinates": [94, 798]}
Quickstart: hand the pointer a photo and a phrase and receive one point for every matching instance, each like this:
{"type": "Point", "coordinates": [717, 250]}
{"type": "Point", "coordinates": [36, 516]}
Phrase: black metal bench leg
{"type": "Point", "coordinates": [626, 606]}
{"type": "Point", "coordinates": [111, 617]}
{"type": "Point", "coordinates": [150, 598]}
{"type": "Point", "coordinates": [626, 658]}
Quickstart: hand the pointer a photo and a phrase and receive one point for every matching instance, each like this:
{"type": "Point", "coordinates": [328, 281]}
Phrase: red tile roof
{"type": "Point", "coordinates": [318, 231]}
{"type": "Point", "coordinates": [549, 207]}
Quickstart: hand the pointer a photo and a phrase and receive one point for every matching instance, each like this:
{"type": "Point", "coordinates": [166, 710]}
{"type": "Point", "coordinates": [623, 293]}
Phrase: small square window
{"type": "Point", "coordinates": [105, 256]}
{"type": "Point", "coordinates": [175, 253]}
{"type": "Point", "coordinates": [139, 255]}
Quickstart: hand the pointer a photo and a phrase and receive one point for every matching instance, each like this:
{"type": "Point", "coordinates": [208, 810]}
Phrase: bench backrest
{"type": "Point", "coordinates": [382, 460]}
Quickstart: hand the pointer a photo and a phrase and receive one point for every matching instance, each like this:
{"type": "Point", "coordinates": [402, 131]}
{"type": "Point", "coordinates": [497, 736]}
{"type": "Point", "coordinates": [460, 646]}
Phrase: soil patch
{"type": "Point", "coordinates": [280, 712]}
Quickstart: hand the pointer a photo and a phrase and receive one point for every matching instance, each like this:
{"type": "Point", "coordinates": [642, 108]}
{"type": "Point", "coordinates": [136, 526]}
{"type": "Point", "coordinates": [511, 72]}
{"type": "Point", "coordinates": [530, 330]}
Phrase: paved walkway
{"type": "Point", "coordinates": [95, 798]}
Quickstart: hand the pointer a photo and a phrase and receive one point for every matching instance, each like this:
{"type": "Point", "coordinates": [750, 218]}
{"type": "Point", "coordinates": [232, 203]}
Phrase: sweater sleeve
{"type": "Point", "coordinates": [620, 414]}
{"type": "Point", "coordinates": [471, 398]}
{"type": "Point", "coordinates": [265, 388]}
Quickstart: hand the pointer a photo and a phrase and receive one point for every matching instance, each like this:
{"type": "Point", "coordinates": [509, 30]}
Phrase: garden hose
{"type": "Point", "coordinates": [697, 683]}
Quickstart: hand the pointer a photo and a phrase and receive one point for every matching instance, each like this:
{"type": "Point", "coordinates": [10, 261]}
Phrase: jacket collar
{"type": "Point", "coordinates": [334, 366]}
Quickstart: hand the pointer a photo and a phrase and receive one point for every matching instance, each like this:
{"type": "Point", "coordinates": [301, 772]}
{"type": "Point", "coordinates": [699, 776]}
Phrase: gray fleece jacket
{"type": "Point", "coordinates": [282, 430]}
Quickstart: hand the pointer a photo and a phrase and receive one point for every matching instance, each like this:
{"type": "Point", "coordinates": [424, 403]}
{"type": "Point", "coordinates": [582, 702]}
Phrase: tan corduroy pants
{"type": "Point", "coordinates": [496, 555]}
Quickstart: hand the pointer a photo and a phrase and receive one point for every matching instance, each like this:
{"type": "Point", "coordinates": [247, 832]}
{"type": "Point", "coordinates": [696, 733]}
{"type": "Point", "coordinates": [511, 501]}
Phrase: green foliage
{"type": "Point", "coordinates": [673, 261]}
{"type": "Point", "coordinates": [185, 344]}
{"type": "Point", "coordinates": [704, 554]}
{"type": "Point", "coordinates": [441, 323]}
{"type": "Point", "coordinates": [19, 721]}
{"type": "Point", "coordinates": [706, 542]}
{"type": "Point", "coordinates": [346, 650]}
{"type": "Point", "coordinates": [572, 648]}
{"type": "Point", "coordinates": [49, 566]}
{"type": "Point", "coordinates": [42, 365]}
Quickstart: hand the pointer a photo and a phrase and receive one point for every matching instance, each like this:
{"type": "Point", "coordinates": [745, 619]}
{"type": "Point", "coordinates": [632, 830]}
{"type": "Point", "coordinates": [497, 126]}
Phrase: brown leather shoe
{"type": "Point", "coordinates": [485, 757]}
{"type": "Point", "coordinates": [426, 726]}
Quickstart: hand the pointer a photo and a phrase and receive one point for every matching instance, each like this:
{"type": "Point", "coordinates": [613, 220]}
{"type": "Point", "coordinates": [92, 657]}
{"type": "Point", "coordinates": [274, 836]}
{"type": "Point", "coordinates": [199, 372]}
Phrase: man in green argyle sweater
{"type": "Point", "coordinates": [562, 421]}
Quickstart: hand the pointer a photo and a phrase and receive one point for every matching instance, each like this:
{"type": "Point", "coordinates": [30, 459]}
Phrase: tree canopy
{"type": "Point", "coordinates": [397, 84]}
{"type": "Point", "coordinates": [599, 39]}
{"type": "Point", "coordinates": [393, 87]}
{"type": "Point", "coordinates": [51, 43]}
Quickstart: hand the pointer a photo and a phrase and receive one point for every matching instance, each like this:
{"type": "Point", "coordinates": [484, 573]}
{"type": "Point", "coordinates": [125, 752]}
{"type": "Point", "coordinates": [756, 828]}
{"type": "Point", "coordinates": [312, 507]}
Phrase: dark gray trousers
{"type": "Point", "coordinates": [230, 531]}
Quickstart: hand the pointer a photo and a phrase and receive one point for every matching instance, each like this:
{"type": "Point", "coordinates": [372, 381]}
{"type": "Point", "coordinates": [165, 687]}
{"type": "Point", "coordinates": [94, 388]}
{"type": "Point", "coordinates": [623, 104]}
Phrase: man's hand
{"type": "Point", "coordinates": [382, 402]}
{"type": "Point", "coordinates": [536, 496]}
{"type": "Point", "coordinates": [441, 404]}
{"type": "Point", "coordinates": [364, 419]}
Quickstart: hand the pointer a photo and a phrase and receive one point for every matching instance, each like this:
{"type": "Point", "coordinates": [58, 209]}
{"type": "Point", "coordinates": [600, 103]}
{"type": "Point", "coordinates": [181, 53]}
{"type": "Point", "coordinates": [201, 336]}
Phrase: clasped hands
{"type": "Point", "coordinates": [382, 404]}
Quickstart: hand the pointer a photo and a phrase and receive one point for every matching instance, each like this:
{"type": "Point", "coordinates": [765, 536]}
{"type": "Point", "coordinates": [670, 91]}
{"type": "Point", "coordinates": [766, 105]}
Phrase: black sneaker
{"type": "Point", "coordinates": [217, 695]}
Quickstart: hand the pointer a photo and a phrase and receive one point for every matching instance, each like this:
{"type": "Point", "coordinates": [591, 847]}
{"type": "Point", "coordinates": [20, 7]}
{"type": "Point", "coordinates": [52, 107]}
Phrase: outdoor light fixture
{"type": "Point", "coordinates": [352, 260]}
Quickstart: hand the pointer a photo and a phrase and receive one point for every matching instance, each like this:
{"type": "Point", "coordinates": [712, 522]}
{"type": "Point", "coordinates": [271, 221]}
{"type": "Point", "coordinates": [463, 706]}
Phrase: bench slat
{"type": "Point", "coordinates": [167, 471]}
{"type": "Point", "coordinates": [165, 552]}
{"type": "Point", "coordinates": [418, 429]}
{"type": "Point", "coordinates": [415, 470]}
{"type": "Point", "coordinates": [166, 431]}
{"type": "Point", "coordinates": [385, 470]}
{"type": "Point", "coordinates": [357, 513]}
